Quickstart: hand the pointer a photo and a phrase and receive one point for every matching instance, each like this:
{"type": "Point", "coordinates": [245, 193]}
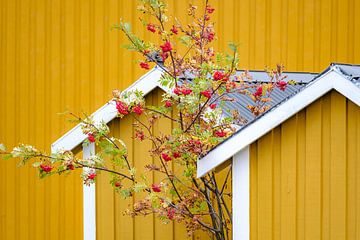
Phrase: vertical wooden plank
{"type": "Point", "coordinates": [275, 32]}
{"type": "Point", "coordinates": [300, 174]}
{"type": "Point", "coordinates": [124, 224]}
{"type": "Point", "coordinates": [334, 29]}
{"type": "Point", "coordinates": [343, 31]}
{"type": "Point", "coordinates": [313, 172]}
{"type": "Point", "coordinates": [254, 199]}
{"type": "Point", "coordinates": [105, 219]}
{"type": "Point", "coordinates": [352, 144]}
{"type": "Point", "coordinates": [243, 31]}
{"type": "Point", "coordinates": [51, 198]}
{"type": "Point", "coordinates": [325, 33]}
{"type": "Point", "coordinates": [98, 53]}
{"type": "Point", "coordinates": [292, 35]}
{"type": "Point", "coordinates": [38, 114]}
{"type": "Point", "coordinates": [83, 39]}
{"type": "Point", "coordinates": [113, 17]}
{"type": "Point", "coordinates": [288, 178]}
{"type": "Point", "coordinates": [276, 200]}
{"type": "Point", "coordinates": [356, 51]}
{"type": "Point", "coordinates": [308, 34]}
{"type": "Point", "coordinates": [284, 32]}
{"type": "Point", "coordinates": [338, 167]}
{"type": "Point", "coordinates": [23, 86]}
{"type": "Point", "coordinates": [10, 116]}
{"type": "Point", "coordinates": [325, 158]}
{"type": "Point", "coordinates": [265, 184]}
{"type": "Point", "coordinates": [259, 35]}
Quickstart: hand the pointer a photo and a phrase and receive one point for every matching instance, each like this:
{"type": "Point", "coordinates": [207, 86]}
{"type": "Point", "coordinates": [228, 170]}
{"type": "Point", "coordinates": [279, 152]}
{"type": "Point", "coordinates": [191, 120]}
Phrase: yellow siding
{"type": "Point", "coordinates": [60, 54]}
{"type": "Point", "coordinates": [304, 174]}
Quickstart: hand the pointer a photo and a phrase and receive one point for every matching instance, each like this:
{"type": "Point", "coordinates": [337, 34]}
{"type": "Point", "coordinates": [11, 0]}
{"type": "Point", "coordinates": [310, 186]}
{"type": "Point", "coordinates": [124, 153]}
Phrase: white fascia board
{"type": "Point", "coordinates": [89, 200]}
{"type": "Point", "coordinates": [108, 112]}
{"type": "Point", "coordinates": [328, 81]}
{"type": "Point", "coordinates": [241, 194]}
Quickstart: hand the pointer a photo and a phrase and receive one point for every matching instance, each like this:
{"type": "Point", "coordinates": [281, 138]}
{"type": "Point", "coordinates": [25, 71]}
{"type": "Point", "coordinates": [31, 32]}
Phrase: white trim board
{"type": "Point", "coordinates": [241, 195]}
{"type": "Point", "coordinates": [331, 79]}
{"type": "Point", "coordinates": [89, 200]}
{"type": "Point", "coordinates": [108, 112]}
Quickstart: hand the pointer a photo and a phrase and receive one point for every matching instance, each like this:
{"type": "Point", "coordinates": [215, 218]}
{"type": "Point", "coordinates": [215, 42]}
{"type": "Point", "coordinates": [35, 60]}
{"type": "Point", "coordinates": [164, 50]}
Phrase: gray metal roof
{"type": "Point", "coordinates": [242, 101]}
{"type": "Point", "coordinates": [351, 72]}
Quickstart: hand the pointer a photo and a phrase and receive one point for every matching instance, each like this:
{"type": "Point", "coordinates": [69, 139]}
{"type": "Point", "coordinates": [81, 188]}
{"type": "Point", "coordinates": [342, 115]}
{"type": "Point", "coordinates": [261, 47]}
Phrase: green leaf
{"type": "Point", "coordinates": [125, 193]}
{"type": "Point", "coordinates": [138, 187]}
{"type": "Point", "coordinates": [132, 171]}
{"type": "Point", "coordinates": [186, 40]}
{"type": "Point", "coordinates": [203, 206]}
{"type": "Point", "coordinates": [233, 46]}
{"type": "Point", "coordinates": [7, 156]}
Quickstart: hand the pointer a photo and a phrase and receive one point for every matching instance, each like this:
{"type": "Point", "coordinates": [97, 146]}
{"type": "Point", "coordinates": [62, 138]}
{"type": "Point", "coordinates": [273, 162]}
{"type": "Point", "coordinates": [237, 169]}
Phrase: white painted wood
{"type": "Point", "coordinates": [108, 112]}
{"type": "Point", "coordinates": [89, 197]}
{"type": "Point", "coordinates": [328, 81]}
{"type": "Point", "coordinates": [241, 195]}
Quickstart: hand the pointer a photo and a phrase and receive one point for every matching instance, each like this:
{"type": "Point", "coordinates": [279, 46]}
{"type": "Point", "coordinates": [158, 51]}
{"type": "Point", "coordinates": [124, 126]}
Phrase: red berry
{"type": "Point", "coordinates": [174, 30]}
{"type": "Point", "coordinates": [151, 27]}
{"type": "Point", "coordinates": [176, 155]}
{"type": "Point", "coordinates": [46, 168]}
{"type": "Point", "coordinates": [117, 184]}
{"type": "Point", "coordinates": [122, 108]}
{"type": "Point", "coordinates": [170, 213]}
{"type": "Point", "coordinates": [210, 36]}
{"type": "Point", "coordinates": [218, 76]}
{"type": "Point", "coordinates": [166, 47]}
{"type": "Point", "coordinates": [166, 157]}
{"type": "Point", "coordinates": [186, 91]}
{"type": "Point", "coordinates": [91, 137]}
{"type": "Point", "coordinates": [91, 176]}
{"type": "Point", "coordinates": [206, 93]}
{"type": "Point", "coordinates": [70, 167]}
{"type": "Point", "coordinates": [259, 92]}
{"type": "Point", "coordinates": [177, 91]}
{"type": "Point", "coordinates": [220, 133]}
{"type": "Point", "coordinates": [156, 188]}
{"type": "Point", "coordinates": [138, 110]}
{"type": "Point", "coordinates": [282, 85]}
{"type": "Point", "coordinates": [209, 9]}
{"type": "Point", "coordinates": [168, 104]}
{"type": "Point", "coordinates": [213, 106]}
{"type": "Point", "coordinates": [164, 56]}
{"type": "Point", "coordinates": [145, 65]}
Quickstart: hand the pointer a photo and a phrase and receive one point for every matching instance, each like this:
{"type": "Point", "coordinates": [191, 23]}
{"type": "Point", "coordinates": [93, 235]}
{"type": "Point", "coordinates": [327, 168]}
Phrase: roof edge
{"type": "Point", "coordinates": [108, 112]}
{"type": "Point", "coordinates": [329, 79]}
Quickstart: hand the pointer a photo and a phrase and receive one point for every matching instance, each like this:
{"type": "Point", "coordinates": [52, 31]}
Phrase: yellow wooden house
{"type": "Point", "coordinates": [58, 55]}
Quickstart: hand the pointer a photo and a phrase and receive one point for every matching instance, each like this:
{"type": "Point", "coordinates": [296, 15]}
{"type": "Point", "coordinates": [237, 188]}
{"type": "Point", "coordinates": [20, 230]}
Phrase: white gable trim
{"type": "Point", "coordinates": [108, 112]}
{"type": "Point", "coordinates": [241, 194]}
{"type": "Point", "coordinates": [326, 82]}
{"type": "Point", "coordinates": [89, 200]}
